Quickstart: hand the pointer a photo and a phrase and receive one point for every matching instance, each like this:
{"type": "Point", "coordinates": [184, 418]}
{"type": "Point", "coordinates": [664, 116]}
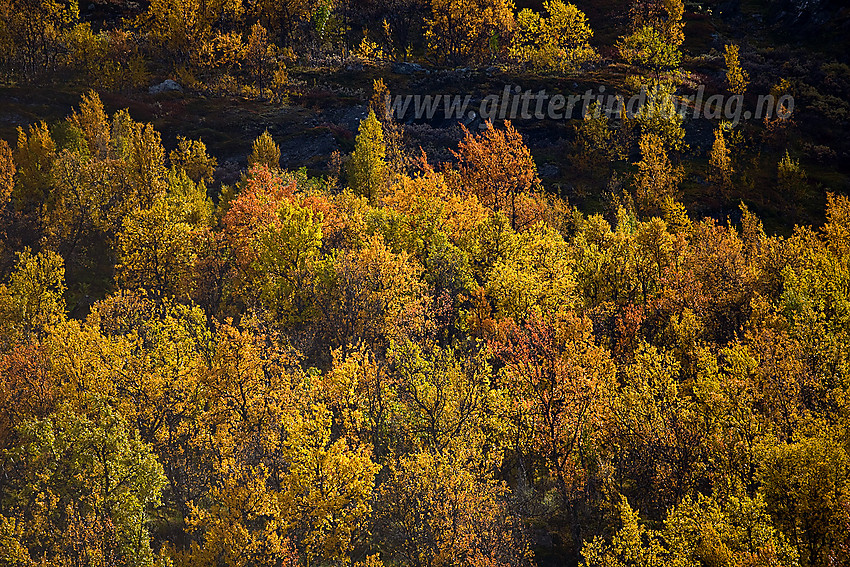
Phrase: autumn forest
{"type": "Point", "coordinates": [251, 316]}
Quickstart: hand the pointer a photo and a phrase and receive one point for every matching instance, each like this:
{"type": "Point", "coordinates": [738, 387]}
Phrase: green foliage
{"type": "Point", "coordinates": [88, 490]}
{"type": "Point", "coordinates": [367, 170]}
{"type": "Point", "coordinates": [33, 299]}
{"type": "Point", "coordinates": [191, 156]}
{"type": "Point", "coordinates": [432, 367]}
{"type": "Point", "coordinates": [649, 49]}
{"type": "Point", "coordinates": [287, 254]}
{"type": "Point", "coordinates": [736, 77]}
{"type": "Point", "coordinates": [557, 42]}
{"type": "Point", "coordinates": [661, 117]}
{"type": "Point", "coordinates": [156, 250]}
{"type": "Point", "coordinates": [265, 152]}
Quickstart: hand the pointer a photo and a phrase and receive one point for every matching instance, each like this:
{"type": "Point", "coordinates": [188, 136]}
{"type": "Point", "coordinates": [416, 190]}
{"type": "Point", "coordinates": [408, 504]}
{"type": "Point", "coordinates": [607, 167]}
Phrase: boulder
{"type": "Point", "coordinates": [406, 68]}
{"type": "Point", "coordinates": [165, 86]}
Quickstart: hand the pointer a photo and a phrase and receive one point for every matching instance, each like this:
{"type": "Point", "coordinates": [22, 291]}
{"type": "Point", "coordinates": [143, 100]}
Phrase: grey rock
{"type": "Point", "coordinates": [406, 68]}
{"type": "Point", "coordinates": [549, 170]}
{"type": "Point", "coordinates": [350, 117]}
{"type": "Point", "coordinates": [165, 86]}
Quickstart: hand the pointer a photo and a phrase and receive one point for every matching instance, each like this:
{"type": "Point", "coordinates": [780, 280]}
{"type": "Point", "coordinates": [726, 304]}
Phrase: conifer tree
{"type": "Point", "coordinates": [791, 178]}
{"type": "Point", "coordinates": [720, 162]}
{"type": "Point", "coordinates": [265, 152]}
{"type": "Point", "coordinates": [656, 178]}
{"type": "Point", "coordinates": [367, 170]}
{"type": "Point", "coordinates": [191, 156]}
{"type": "Point", "coordinates": [737, 78]}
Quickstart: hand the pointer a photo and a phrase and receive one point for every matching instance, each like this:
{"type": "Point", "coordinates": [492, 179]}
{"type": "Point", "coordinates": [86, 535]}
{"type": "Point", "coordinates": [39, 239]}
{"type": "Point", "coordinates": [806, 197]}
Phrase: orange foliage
{"type": "Point", "coordinates": [26, 388]}
{"type": "Point", "coordinates": [496, 166]}
{"type": "Point", "coordinates": [7, 172]}
{"type": "Point", "coordinates": [256, 207]}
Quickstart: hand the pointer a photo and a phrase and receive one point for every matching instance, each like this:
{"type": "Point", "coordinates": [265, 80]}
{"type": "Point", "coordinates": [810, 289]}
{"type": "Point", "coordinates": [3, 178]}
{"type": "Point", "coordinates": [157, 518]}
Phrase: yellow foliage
{"type": "Point", "coordinates": [656, 178]}
{"type": "Point", "coordinates": [34, 158]}
{"type": "Point", "coordinates": [558, 42]}
{"type": "Point", "coordinates": [265, 152]}
{"type": "Point", "coordinates": [192, 157]}
{"type": "Point", "coordinates": [367, 170]}
{"type": "Point", "coordinates": [439, 512]}
{"type": "Point", "coordinates": [7, 173]}
{"type": "Point", "coordinates": [468, 30]}
{"type": "Point", "coordinates": [737, 77]}
{"type": "Point", "coordinates": [183, 26]}
{"type": "Point", "coordinates": [720, 161]}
